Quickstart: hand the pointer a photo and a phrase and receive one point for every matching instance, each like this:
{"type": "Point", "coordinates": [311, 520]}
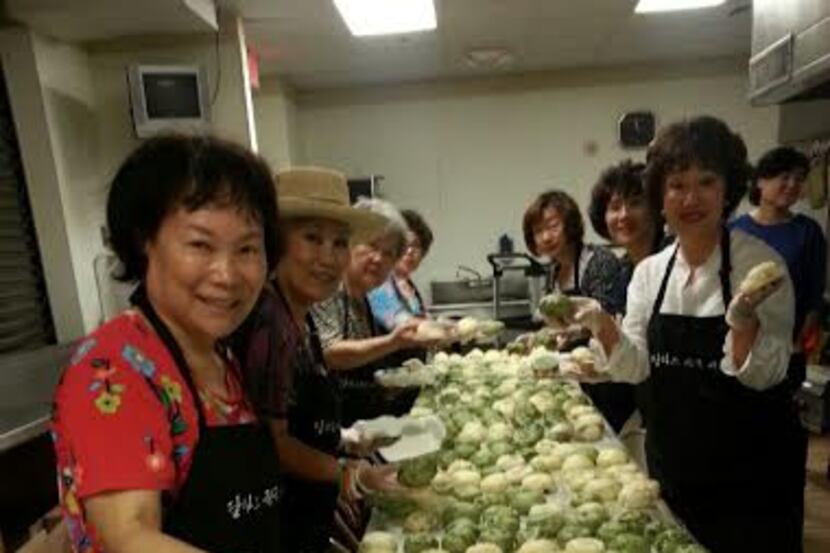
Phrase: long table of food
{"type": "Point", "coordinates": [526, 464]}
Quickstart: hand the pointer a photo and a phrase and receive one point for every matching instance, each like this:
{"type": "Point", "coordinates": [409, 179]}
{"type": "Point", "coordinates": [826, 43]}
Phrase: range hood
{"type": "Point", "coordinates": [790, 51]}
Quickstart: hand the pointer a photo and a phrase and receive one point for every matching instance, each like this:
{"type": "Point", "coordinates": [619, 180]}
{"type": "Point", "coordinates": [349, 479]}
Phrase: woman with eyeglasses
{"type": "Point", "coordinates": [353, 344]}
{"type": "Point", "coordinates": [398, 300]}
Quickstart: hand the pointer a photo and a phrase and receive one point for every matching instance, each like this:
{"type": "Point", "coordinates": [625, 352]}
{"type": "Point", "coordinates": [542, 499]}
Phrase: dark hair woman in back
{"type": "Point", "coordinates": [621, 213]}
{"type": "Point", "coordinates": [721, 427]}
{"type": "Point", "coordinates": [158, 448]}
{"type": "Point", "coordinates": [553, 228]}
{"type": "Point", "coordinates": [775, 189]}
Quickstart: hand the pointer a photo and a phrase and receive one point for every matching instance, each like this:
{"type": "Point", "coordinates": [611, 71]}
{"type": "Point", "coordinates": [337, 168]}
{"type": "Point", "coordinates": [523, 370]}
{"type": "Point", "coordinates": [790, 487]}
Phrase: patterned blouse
{"type": "Point", "coordinates": [124, 419]}
{"type": "Point", "coordinates": [343, 317]}
{"type": "Point", "coordinates": [598, 278]}
{"type": "Point", "coordinates": [395, 302]}
{"type": "Point", "coordinates": [273, 360]}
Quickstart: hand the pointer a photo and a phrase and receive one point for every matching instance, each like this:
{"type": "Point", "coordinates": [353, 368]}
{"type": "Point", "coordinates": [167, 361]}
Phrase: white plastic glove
{"type": "Point", "coordinates": [589, 313]}
{"type": "Point", "coordinates": [741, 312]}
{"type": "Point", "coordinates": [378, 479]}
{"type": "Point", "coordinates": [353, 442]}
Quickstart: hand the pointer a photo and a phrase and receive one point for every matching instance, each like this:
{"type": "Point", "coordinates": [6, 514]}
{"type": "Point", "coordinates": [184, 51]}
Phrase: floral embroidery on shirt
{"type": "Point", "coordinates": [156, 461]}
{"type": "Point", "coordinates": [82, 349]}
{"type": "Point", "coordinates": [172, 388]}
{"type": "Point", "coordinates": [108, 403]}
{"type": "Point", "coordinates": [137, 361]}
{"type": "Point", "coordinates": [104, 390]}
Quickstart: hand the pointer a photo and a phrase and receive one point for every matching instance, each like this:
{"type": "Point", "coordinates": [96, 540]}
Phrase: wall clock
{"type": "Point", "coordinates": [636, 129]}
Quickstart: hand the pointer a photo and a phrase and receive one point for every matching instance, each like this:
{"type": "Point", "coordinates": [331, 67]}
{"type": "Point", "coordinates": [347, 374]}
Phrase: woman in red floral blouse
{"type": "Point", "coordinates": [158, 449]}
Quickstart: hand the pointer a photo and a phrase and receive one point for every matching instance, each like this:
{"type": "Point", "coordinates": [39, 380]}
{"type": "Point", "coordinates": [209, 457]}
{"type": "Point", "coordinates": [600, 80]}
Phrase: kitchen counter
{"type": "Point", "coordinates": [27, 384]}
{"type": "Point", "coordinates": [483, 310]}
{"type": "Point", "coordinates": [21, 424]}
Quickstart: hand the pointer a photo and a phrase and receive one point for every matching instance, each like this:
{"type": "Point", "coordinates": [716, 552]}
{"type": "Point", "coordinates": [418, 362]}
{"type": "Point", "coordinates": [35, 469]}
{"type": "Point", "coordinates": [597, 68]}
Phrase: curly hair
{"type": "Point", "coordinates": [624, 179]}
{"type": "Point", "coordinates": [419, 227]}
{"type": "Point", "coordinates": [774, 163]}
{"type": "Point", "coordinates": [705, 142]}
{"type": "Point", "coordinates": [172, 171]}
{"type": "Point", "coordinates": [568, 211]}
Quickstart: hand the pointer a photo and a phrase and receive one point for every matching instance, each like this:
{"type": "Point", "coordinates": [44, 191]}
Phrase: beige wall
{"type": "Point", "coordinates": [69, 100]}
{"type": "Point", "coordinates": [49, 95]}
{"type": "Point", "coordinates": [231, 115]}
{"type": "Point", "coordinates": [470, 156]}
{"type": "Point", "coordinates": [276, 121]}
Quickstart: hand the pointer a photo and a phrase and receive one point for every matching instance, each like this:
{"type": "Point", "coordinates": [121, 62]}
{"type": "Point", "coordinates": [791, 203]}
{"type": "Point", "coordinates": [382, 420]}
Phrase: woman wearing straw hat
{"type": "Point", "coordinates": [284, 369]}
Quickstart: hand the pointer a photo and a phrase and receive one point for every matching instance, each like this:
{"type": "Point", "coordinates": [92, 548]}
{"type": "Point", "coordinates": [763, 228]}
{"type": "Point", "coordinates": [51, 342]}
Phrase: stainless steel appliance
{"type": "Point", "coordinates": [530, 271]}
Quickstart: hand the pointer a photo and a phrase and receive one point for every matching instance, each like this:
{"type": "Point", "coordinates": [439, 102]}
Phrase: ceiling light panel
{"type": "Point", "coordinates": [652, 6]}
{"type": "Point", "coordinates": [386, 17]}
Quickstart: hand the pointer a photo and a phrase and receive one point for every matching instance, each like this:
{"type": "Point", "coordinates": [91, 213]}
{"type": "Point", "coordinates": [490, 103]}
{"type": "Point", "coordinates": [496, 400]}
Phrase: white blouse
{"type": "Point", "coordinates": [698, 294]}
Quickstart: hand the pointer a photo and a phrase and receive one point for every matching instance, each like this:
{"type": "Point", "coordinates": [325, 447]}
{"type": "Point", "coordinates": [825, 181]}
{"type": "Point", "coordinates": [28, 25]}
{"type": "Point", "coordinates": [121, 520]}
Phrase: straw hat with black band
{"type": "Point", "coordinates": [316, 192]}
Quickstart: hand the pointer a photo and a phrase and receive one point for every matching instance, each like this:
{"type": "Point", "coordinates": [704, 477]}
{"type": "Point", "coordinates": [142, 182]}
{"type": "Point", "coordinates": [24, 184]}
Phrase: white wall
{"type": "Point", "coordinates": [276, 121]}
{"type": "Point", "coordinates": [471, 156]}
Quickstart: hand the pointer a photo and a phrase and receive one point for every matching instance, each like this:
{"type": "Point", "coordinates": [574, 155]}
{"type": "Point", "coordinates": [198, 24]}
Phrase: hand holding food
{"type": "Point", "coordinates": [557, 309]}
{"type": "Point", "coordinates": [589, 314]}
{"type": "Point", "coordinates": [759, 284]}
{"type": "Point", "coordinates": [434, 333]}
{"type": "Point", "coordinates": [405, 334]}
{"type": "Point", "coordinates": [378, 478]}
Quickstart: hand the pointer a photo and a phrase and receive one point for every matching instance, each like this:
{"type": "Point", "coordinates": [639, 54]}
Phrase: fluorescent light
{"type": "Point", "coordinates": [385, 17]}
{"type": "Point", "coordinates": [650, 6]}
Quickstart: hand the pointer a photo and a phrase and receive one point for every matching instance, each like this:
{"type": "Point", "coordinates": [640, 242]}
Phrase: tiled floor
{"type": "Point", "coordinates": [817, 498]}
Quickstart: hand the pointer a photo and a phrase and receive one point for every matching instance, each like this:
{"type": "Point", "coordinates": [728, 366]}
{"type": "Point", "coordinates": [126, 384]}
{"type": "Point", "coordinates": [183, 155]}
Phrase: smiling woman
{"type": "Point", "coordinates": [151, 404]}
{"type": "Point", "coordinates": [286, 374]}
{"type": "Point", "coordinates": [720, 416]}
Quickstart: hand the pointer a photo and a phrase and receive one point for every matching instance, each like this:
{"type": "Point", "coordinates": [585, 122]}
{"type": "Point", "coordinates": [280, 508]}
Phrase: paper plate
{"type": "Point", "coordinates": [419, 435]}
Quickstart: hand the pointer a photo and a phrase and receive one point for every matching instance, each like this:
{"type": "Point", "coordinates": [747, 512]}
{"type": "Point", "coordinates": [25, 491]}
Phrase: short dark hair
{"type": "Point", "coordinates": [568, 211]}
{"type": "Point", "coordinates": [624, 179]}
{"type": "Point", "coordinates": [706, 142]}
{"type": "Point", "coordinates": [775, 162]}
{"type": "Point", "coordinates": [174, 171]}
{"type": "Point", "coordinates": [419, 227]}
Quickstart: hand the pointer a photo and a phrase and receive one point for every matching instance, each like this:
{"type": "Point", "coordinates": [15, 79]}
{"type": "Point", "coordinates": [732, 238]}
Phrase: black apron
{"type": "Point", "coordinates": [397, 358]}
{"type": "Point", "coordinates": [615, 400]}
{"type": "Point", "coordinates": [231, 499]}
{"type": "Point", "coordinates": [363, 398]}
{"type": "Point", "coordinates": [314, 418]}
{"type": "Point", "coordinates": [723, 453]}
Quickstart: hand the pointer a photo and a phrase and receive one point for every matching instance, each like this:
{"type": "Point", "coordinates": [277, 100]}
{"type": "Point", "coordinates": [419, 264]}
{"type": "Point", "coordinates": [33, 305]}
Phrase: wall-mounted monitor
{"type": "Point", "coordinates": [168, 98]}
